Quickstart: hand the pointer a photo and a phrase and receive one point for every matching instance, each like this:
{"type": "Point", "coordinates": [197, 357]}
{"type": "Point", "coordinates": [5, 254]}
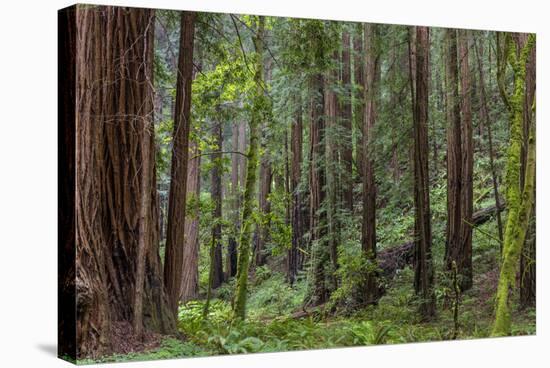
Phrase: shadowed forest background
{"type": "Point", "coordinates": [242, 183]}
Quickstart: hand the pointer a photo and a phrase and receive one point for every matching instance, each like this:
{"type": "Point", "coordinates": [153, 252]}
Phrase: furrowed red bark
{"type": "Point", "coordinates": [175, 237]}
{"type": "Point", "coordinates": [190, 275]}
{"type": "Point", "coordinates": [113, 153]}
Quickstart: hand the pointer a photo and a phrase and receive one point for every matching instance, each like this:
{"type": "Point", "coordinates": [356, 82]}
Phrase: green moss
{"type": "Point", "coordinates": [519, 204]}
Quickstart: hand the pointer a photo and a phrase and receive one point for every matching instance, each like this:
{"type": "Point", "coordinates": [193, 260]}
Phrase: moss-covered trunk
{"type": "Point", "coordinates": [519, 200]}
{"type": "Point", "coordinates": [243, 261]}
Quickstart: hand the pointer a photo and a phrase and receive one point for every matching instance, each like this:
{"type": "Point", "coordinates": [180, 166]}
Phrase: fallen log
{"type": "Point", "coordinates": [390, 260]}
{"type": "Point", "coordinates": [482, 216]}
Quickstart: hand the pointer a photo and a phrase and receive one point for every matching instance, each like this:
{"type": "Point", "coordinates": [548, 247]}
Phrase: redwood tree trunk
{"type": "Point", "coordinates": [262, 230]}
{"type": "Point", "coordinates": [464, 262]}
{"type": "Point", "coordinates": [359, 110]}
{"type": "Point", "coordinates": [424, 273]}
{"type": "Point", "coordinates": [190, 275]}
{"type": "Point", "coordinates": [317, 183]}
{"type": "Point", "coordinates": [346, 143]}
{"type": "Point", "coordinates": [112, 158]}
{"type": "Point", "coordinates": [368, 238]}
{"type": "Point", "coordinates": [296, 140]}
{"type": "Point", "coordinates": [231, 261]}
{"type": "Point", "coordinates": [528, 272]}
{"type": "Point", "coordinates": [175, 237]}
{"type": "Point", "coordinates": [454, 153]}
{"type": "Point", "coordinates": [216, 261]}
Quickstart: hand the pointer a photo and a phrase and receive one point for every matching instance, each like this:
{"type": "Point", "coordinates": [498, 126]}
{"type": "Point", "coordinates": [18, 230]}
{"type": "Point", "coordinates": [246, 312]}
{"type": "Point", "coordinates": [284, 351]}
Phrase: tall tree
{"type": "Point", "coordinates": [114, 223]}
{"type": "Point", "coordinates": [231, 263]}
{"type": "Point", "coordinates": [368, 237]}
{"type": "Point", "coordinates": [464, 262]}
{"type": "Point", "coordinates": [359, 105]}
{"type": "Point", "coordinates": [264, 206]}
{"type": "Point", "coordinates": [333, 164]}
{"type": "Point", "coordinates": [519, 200]}
{"type": "Point", "coordinates": [216, 260]}
{"type": "Point", "coordinates": [175, 238]}
{"type": "Point", "coordinates": [317, 186]}
{"type": "Point", "coordinates": [528, 271]}
{"type": "Point", "coordinates": [345, 109]}
{"type": "Point", "coordinates": [484, 114]}
{"type": "Point", "coordinates": [424, 273]}
{"type": "Point", "coordinates": [296, 141]}
{"type": "Point", "coordinates": [454, 152]}
{"type": "Point", "coordinates": [258, 115]}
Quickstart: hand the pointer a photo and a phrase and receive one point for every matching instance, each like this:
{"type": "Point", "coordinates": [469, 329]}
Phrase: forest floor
{"type": "Point", "coordinates": [270, 326]}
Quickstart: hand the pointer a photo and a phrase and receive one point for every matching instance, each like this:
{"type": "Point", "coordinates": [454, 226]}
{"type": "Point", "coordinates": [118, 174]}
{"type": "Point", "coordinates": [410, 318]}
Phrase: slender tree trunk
{"type": "Point", "coordinates": [454, 153]}
{"type": "Point", "coordinates": [231, 266]}
{"type": "Point", "coordinates": [368, 238]}
{"type": "Point", "coordinates": [484, 113]}
{"type": "Point", "coordinates": [243, 262]}
{"type": "Point", "coordinates": [318, 221]}
{"type": "Point", "coordinates": [262, 230]}
{"type": "Point", "coordinates": [346, 140]}
{"type": "Point", "coordinates": [359, 110]}
{"type": "Point", "coordinates": [296, 139]}
{"type": "Point", "coordinates": [528, 272]}
{"type": "Point", "coordinates": [216, 193]}
{"type": "Point", "coordinates": [113, 152]}
{"type": "Point", "coordinates": [466, 186]}
{"type": "Point", "coordinates": [175, 239]}
{"type": "Point", "coordinates": [424, 273]}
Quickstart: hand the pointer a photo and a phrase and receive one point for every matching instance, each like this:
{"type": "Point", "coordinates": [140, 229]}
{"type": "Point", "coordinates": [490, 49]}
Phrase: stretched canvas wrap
{"type": "Point", "coordinates": [236, 183]}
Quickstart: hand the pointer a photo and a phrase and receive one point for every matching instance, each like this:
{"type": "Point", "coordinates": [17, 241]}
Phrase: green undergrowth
{"type": "Point", "coordinates": [271, 327]}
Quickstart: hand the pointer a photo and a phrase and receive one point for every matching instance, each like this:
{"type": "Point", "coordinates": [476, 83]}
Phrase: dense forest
{"type": "Point", "coordinates": [253, 184]}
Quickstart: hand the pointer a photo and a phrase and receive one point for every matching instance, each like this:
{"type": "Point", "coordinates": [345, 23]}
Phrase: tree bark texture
{"type": "Point", "coordinates": [114, 150]}
{"type": "Point", "coordinates": [190, 265]}
{"type": "Point", "coordinates": [175, 237]}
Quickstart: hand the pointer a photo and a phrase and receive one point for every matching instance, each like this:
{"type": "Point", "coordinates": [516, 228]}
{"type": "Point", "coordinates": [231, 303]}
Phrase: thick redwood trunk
{"type": "Point", "coordinates": [175, 237]}
{"type": "Point", "coordinates": [112, 151]}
